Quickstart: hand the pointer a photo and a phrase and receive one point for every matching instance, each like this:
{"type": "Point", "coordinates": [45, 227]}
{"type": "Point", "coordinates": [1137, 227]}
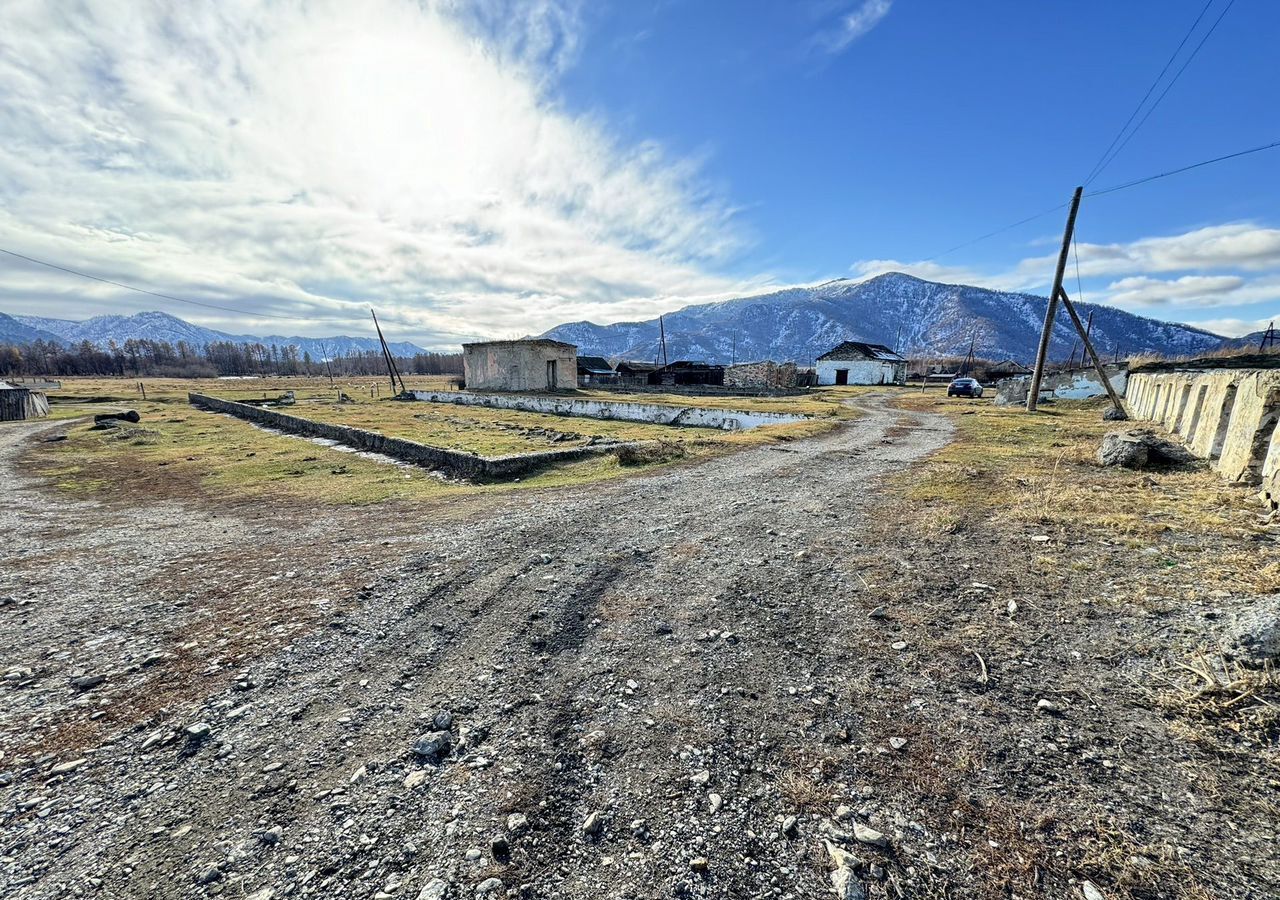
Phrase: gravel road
{"type": "Point", "coordinates": [613, 691]}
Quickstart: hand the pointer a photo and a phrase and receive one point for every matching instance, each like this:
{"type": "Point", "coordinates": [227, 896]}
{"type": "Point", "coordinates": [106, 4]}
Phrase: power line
{"type": "Point", "coordinates": [1109, 190]}
{"type": "Point", "coordinates": [1167, 88]}
{"type": "Point", "coordinates": [130, 287]}
{"type": "Point", "coordinates": [1216, 159]}
{"type": "Point", "coordinates": [997, 231]}
{"type": "Point", "coordinates": [1096, 170]}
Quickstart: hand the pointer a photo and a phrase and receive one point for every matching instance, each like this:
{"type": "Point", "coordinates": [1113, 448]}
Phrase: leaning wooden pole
{"type": "Point", "coordinates": [386, 354]}
{"type": "Point", "coordinates": [1037, 375]}
{"type": "Point", "coordinates": [1093, 354]}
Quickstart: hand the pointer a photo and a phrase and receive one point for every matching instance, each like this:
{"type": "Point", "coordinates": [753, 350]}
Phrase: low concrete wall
{"type": "Point", "coordinates": [654, 413]}
{"type": "Point", "coordinates": [1078, 384]}
{"type": "Point", "coordinates": [455, 461]}
{"type": "Point", "coordinates": [1227, 416]}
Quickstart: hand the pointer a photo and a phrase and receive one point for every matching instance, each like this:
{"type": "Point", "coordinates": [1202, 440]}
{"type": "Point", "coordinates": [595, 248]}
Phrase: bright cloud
{"type": "Point", "coordinates": [1232, 327]}
{"type": "Point", "coordinates": [1249, 254]}
{"type": "Point", "coordinates": [312, 159]}
{"type": "Point", "coordinates": [853, 24]}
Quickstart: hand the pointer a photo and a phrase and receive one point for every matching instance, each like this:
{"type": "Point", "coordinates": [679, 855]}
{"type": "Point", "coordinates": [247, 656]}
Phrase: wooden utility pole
{"type": "Point", "coordinates": [392, 372]}
{"type": "Point", "coordinates": [1268, 337]}
{"type": "Point", "coordinates": [1033, 395]}
{"type": "Point", "coordinates": [662, 332]}
{"type": "Point", "coordinates": [328, 368]}
{"type": "Point", "coordinates": [1093, 354]}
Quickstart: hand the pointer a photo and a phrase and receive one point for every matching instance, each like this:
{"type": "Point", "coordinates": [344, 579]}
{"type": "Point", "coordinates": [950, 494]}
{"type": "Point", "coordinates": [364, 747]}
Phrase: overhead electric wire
{"type": "Point", "coordinates": [997, 231]}
{"type": "Point", "coordinates": [130, 287]}
{"type": "Point", "coordinates": [1108, 190]}
{"type": "Point", "coordinates": [1096, 170]}
{"type": "Point", "coordinates": [1137, 181]}
{"type": "Point", "coordinates": [1167, 88]}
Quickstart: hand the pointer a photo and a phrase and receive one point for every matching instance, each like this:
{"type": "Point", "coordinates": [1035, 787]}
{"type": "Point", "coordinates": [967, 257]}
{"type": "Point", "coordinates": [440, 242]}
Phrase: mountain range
{"type": "Point", "coordinates": [158, 326]}
{"type": "Point", "coordinates": [917, 317]}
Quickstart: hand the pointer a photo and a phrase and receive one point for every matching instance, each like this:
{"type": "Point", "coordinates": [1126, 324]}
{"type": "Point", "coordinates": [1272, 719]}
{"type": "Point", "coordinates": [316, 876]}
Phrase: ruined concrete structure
{"type": "Point", "coordinates": [653, 413]}
{"type": "Point", "coordinates": [1074, 384]}
{"type": "Point", "coordinates": [855, 362]}
{"type": "Point", "coordinates": [536, 364]}
{"type": "Point", "coordinates": [1227, 416]}
{"type": "Point", "coordinates": [765, 374]}
{"type": "Point", "coordinates": [457, 462]}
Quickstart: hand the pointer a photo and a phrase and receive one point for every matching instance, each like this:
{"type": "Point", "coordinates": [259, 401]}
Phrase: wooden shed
{"type": "Point", "coordinates": [18, 403]}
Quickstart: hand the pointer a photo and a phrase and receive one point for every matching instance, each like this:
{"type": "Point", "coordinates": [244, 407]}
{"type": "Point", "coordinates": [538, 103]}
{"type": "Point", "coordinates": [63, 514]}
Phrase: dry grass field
{"type": "Point", "coordinates": [177, 450]}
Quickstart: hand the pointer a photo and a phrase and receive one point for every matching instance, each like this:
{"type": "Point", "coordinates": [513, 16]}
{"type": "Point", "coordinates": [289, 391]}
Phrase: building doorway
{"type": "Point", "coordinates": [842, 376]}
{"type": "Point", "coordinates": [552, 380]}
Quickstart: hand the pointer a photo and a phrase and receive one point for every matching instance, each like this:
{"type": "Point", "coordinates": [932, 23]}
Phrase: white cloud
{"type": "Point", "coordinates": [311, 159]}
{"type": "Point", "coordinates": [853, 24]}
{"type": "Point", "coordinates": [1233, 327]}
{"type": "Point", "coordinates": [1249, 253]}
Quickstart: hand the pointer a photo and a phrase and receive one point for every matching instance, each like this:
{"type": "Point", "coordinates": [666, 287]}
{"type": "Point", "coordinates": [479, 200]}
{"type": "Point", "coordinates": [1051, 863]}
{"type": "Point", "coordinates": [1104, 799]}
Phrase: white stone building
{"type": "Point", "coordinates": [854, 362]}
{"type": "Point", "coordinates": [534, 364]}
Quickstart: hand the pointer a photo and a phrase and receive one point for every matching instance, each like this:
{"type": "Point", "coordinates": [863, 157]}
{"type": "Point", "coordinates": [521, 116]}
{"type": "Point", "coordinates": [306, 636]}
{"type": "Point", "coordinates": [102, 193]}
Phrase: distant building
{"type": "Point", "coordinates": [634, 374]}
{"type": "Point", "coordinates": [535, 364]}
{"type": "Point", "coordinates": [18, 403]}
{"type": "Point", "coordinates": [764, 374]}
{"type": "Point", "coordinates": [685, 372]}
{"type": "Point", "coordinates": [855, 362]}
{"type": "Point", "coordinates": [595, 370]}
{"type": "Point", "coordinates": [1006, 368]}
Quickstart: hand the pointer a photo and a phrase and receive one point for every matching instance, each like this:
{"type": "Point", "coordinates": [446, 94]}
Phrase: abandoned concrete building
{"type": "Point", "coordinates": [855, 362]}
{"type": "Point", "coordinates": [765, 374]}
{"type": "Point", "coordinates": [18, 403]}
{"type": "Point", "coordinates": [533, 364]}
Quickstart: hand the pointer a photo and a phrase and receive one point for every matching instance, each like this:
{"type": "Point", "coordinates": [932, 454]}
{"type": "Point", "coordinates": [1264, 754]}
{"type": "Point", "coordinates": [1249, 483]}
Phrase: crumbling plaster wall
{"type": "Point", "coordinates": [655, 413]}
{"type": "Point", "coordinates": [1227, 416]}
{"type": "Point", "coordinates": [519, 366]}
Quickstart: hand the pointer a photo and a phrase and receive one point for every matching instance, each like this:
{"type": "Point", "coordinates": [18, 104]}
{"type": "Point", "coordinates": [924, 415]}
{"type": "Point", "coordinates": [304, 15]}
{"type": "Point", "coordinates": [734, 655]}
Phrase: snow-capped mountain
{"type": "Point", "coordinates": [13, 331]}
{"type": "Point", "coordinates": [158, 326]}
{"type": "Point", "coordinates": [918, 317]}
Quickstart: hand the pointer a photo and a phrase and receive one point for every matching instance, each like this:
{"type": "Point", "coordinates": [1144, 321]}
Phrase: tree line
{"type": "Point", "coordinates": [141, 357]}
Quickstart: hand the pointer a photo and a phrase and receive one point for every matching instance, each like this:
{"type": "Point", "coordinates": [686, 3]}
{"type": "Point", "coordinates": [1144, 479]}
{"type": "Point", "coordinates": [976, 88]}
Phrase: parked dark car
{"type": "Point", "coordinates": [964, 387]}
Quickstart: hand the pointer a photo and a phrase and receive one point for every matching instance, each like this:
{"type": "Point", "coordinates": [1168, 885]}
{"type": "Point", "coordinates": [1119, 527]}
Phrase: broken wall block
{"type": "Point", "coordinates": [1251, 427]}
{"type": "Point", "coordinates": [1227, 416]}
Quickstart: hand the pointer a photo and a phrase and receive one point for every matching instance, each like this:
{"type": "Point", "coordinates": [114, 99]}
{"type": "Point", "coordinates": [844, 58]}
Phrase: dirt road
{"type": "Point", "coordinates": [528, 624]}
{"type": "Point", "coordinates": [697, 683]}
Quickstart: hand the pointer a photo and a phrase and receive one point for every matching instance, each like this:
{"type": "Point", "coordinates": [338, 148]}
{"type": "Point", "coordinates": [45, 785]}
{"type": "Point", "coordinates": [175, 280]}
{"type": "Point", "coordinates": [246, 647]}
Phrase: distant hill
{"type": "Point", "coordinates": [1247, 342]}
{"type": "Point", "coordinates": [918, 317]}
{"type": "Point", "coordinates": [14, 331]}
{"type": "Point", "coordinates": [159, 326]}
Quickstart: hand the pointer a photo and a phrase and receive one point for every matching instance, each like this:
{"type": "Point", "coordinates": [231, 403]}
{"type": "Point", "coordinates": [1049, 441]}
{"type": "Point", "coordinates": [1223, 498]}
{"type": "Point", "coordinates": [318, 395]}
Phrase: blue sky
{"type": "Point", "coordinates": [495, 167]}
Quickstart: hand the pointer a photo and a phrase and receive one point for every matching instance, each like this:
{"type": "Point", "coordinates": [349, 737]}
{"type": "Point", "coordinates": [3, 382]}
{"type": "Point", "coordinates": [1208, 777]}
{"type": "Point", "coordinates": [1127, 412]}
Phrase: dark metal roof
{"type": "Point", "coordinates": [864, 350]}
{"type": "Point", "coordinates": [686, 364]}
{"type": "Point", "coordinates": [595, 365]}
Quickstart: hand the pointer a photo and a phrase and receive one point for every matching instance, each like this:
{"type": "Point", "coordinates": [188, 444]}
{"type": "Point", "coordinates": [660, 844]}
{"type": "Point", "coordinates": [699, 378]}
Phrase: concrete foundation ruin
{"type": "Point", "coordinates": [1227, 416]}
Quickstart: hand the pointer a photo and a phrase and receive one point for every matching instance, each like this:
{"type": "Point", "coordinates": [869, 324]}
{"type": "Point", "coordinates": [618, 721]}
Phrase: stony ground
{"type": "Point", "coordinates": [759, 676]}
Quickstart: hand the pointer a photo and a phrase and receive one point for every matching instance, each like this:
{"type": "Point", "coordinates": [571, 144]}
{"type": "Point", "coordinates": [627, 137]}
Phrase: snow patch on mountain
{"type": "Point", "coordinates": [920, 318]}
